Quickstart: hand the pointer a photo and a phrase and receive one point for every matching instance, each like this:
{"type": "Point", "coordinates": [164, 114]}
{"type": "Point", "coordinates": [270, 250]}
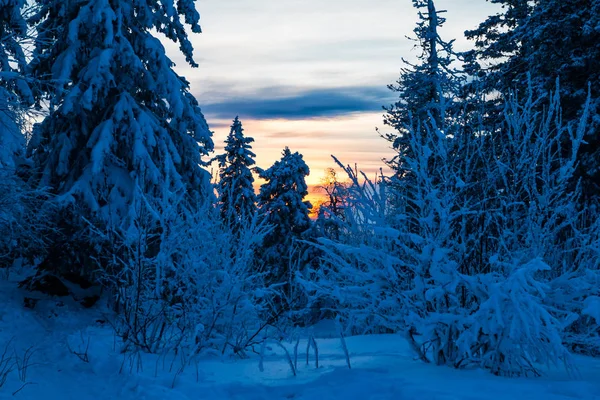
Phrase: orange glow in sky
{"type": "Point", "coordinates": [352, 139]}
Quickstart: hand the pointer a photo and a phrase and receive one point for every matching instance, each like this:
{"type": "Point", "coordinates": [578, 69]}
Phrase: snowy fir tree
{"type": "Point", "coordinates": [22, 217]}
{"type": "Point", "coordinates": [427, 105]}
{"type": "Point", "coordinates": [15, 92]}
{"type": "Point", "coordinates": [122, 124]}
{"type": "Point", "coordinates": [426, 90]}
{"type": "Point", "coordinates": [281, 199]}
{"type": "Point", "coordinates": [236, 183]}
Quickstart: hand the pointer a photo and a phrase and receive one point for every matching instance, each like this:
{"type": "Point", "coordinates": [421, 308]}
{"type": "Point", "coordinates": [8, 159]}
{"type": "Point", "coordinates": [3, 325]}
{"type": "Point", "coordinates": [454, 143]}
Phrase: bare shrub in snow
{"type": "Point", "coordinates": [17, 363]}
{"type": "Point", "coordinates": [7, 365]}
{"type": "Point", "coordinates": [81, 350]}
{"type": "Point", "coordinates": [184, 280]}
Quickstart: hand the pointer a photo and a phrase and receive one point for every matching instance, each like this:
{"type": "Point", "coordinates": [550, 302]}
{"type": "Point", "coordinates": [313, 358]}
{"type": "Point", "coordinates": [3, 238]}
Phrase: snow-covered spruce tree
{"type": "Point", "coordinates": [121, 121]}
{"type": "Point", "coordinates": [570, 57]}
{"type": "Point", "coordinates": [14, 88]}
{"type": "Point", "coordinates": [22, 217]}
{"type": "Point", "coordinates": [433, 190]}
{"type": "Point", "coordinates": [236, 183]}
{"type": "Point", "coordinates": [425, 90]}
{"type": "Point", "coordinates": [281, 200]}
{"type": "Point", "coordinates": [520, 48]}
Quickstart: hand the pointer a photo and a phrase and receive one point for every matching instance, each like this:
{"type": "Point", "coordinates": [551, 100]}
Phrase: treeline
{"type": "Point", "coordinates": [482, 247]}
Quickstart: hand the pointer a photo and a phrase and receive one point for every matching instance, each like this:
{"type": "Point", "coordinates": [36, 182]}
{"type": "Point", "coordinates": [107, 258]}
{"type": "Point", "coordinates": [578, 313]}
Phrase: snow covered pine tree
{"type": "Point", "coordinates": [122, 126]}
{"type": "Point", "coordinates": [21, 217]}
{"type": "Point", "coordinates": [235, 188]}
{"type": "Point", "coordinates": [281, 199]}
{"type": "Point", "coordinates": [14, 89]}
{"type": "Point", "coordinates": [425, 90]}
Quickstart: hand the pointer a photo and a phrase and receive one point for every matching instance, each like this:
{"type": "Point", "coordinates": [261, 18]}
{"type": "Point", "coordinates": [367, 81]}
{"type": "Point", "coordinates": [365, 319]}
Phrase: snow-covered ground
{"type": "Point", "coordinates": [382, 366]}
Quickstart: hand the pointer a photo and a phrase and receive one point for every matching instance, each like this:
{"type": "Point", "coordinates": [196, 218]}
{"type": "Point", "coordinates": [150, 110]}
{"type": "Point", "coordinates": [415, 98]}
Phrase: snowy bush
{"type": "Point", "coordinates": [466, 252]}
{"type": "Point", "coordinates": [577, 290]}
{"type": "Point", "coordinates": [538, 215]}
{"type": "Point", "coordinates": [24, 220]}
{"type": "Point", "coordinates": [185, 279]}
{"type": "Point", "coordinates": [513, 332]}
{"type": "Point", "coordinates": [359, 276]}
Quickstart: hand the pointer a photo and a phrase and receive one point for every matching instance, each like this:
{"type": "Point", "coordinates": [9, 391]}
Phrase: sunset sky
{"type": "Point", "coordinates": [309, 74]}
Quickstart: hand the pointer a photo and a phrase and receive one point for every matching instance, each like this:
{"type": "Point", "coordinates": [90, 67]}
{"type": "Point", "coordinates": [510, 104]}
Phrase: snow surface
{"type": "Point", "coordinates": [383, 366]}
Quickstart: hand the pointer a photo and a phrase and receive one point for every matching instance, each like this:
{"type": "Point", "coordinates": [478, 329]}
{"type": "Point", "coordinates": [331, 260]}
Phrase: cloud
{"type": "Point", "coordinates": [277, 103]}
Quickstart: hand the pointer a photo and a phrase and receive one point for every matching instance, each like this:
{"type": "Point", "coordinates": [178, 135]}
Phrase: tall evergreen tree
{"type": "Point", "coordinates": [122, 124]}
{"type": "Point", "coordinates": [426, 90]}
{"type": "Point", "coordinates": [14, 89]}
{"type": "Point", "coordinates": [236, 190]}
{"type": "Point", "coordinates": [427, 99]}
{"type": "Point", "coordinates": [534, 44]}
{"type": "Point", "coordinates": [281, 199]}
